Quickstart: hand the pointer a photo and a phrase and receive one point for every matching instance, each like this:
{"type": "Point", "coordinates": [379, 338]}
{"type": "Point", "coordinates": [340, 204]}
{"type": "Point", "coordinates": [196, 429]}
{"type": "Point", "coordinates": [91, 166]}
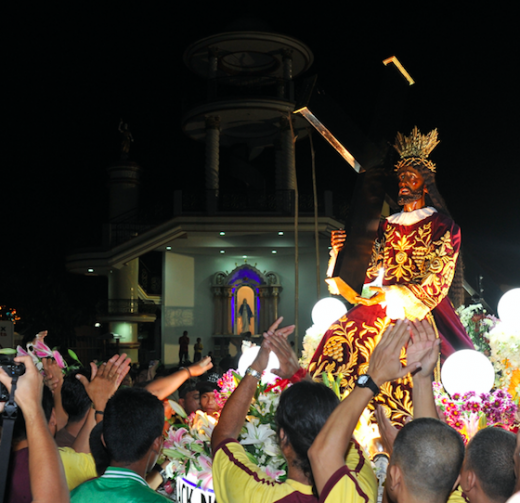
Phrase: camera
{"type": "Point", "coordinates": [11, 368]}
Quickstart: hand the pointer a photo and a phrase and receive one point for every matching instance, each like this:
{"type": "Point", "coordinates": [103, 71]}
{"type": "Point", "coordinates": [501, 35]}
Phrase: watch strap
{"type": "Point", "coordinates": [369, 384]}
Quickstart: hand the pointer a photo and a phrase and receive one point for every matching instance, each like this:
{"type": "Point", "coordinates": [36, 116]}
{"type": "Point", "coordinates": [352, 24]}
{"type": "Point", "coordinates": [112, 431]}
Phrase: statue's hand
{"type": "Point", "coordinates": [379, 297]}
{"type": "Point", "coordinates": [337, 240]}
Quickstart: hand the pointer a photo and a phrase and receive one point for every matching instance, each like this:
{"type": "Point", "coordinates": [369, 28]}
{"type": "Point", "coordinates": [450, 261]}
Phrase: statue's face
{"type": "Point", "coordinates": [411, 185]}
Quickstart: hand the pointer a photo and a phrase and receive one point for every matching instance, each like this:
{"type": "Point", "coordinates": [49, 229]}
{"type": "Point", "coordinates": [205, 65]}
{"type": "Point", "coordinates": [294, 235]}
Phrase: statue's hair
{"type": "Point", "coordinates": [490, 455]}
{"type": "Point", "coordinates": [430, 454]}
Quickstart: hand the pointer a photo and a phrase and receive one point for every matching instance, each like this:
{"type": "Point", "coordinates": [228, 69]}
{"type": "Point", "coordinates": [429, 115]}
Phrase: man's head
{"type": "Point", "coordinates": [189, 396]}
{"type": "Point", "coordinates": [426, 461]}
{"type": "Point", "coordinates": [488, 466]}
{"type": "Point", "coordinates": [74, 397]}
{"type": "Point", "coordinates": [303, 410]}
{"type": "Point", "coordinates": [198, 339]}
{"type": "Point", "coordinates": [208, 402]}
{"type": "Point", "coordinates": [132, 426]}
{"type": "Point", "coordinates": [185, 333]}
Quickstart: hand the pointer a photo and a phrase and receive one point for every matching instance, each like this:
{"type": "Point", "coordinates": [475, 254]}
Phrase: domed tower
{"type": "Point", "coordinates": [249, 101]}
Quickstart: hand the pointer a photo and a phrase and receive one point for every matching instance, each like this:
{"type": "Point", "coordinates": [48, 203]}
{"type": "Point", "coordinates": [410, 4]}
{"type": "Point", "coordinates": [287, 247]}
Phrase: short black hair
{"type": "Point", "coordinates": [187, 387]}
{"type": "Point", "coordinates": [430, 454]}
{"type": "Point", "coordinates": [490, 454]}
{"type": "Point", "coordinates": [74, 397]}
{"type": "Point", "coordinates": [302, 411]}
{"type": "Point", "coordinates": [133, 419]}
{"type": "Point", "coordinates": [206, 386]}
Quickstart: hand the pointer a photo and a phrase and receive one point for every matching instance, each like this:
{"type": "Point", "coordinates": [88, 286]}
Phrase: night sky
{"type": "Point", "coordinates": [72, 74]}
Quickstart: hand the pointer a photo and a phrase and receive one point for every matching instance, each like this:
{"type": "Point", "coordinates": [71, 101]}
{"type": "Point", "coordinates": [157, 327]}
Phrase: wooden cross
{"type": "Point", "coordinates": [369, 156]}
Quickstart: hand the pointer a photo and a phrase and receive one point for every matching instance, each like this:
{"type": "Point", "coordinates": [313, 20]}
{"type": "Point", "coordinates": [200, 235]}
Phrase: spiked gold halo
{"type": "Point", "coordinates": [416, 148]}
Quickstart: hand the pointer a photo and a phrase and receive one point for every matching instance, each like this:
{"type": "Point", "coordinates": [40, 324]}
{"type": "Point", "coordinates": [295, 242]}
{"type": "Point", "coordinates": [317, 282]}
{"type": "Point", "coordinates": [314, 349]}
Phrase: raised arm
{"type": "Point", "coordinates": [54, 381]}
{"type": "Point", "coordinates": [423, 349]}
{"type": "Point", "coordinates": [327, 453]}
{"type": "Point", "coordinates": [234, 412]}
{"type": "Point", "coordinates": [46, 474]}
{"type": "Point", "coordinates": [104, 383]}
{"type": "Point", "coordinates": [165, 386]}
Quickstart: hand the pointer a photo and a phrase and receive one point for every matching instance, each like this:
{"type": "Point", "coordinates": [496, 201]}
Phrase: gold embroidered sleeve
{"type": "Point", "coordinates": [440, 265]}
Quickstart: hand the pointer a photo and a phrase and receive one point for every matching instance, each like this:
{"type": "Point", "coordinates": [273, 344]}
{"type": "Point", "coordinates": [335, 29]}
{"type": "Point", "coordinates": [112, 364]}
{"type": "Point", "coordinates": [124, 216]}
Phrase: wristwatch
{"type": "Point", "coordinates": [365, 381]}
{"type": "Point", "coordinates": [254, 373]}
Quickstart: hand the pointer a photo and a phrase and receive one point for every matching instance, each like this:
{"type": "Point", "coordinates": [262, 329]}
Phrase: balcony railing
{"type": "Point", "coordinates": [125, 307]}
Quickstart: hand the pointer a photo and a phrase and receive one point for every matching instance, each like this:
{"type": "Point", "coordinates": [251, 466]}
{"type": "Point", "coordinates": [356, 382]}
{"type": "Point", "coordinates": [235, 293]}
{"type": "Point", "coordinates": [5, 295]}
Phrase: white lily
{"type": "Point", "coordinates": [256, 434]}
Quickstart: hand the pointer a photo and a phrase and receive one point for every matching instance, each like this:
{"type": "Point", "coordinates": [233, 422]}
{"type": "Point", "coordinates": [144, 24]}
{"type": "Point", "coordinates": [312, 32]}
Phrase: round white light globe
{"type": "Point", "coordinates": [509, 308]}
{"type": "Point", "coordinates": [248, 357]}
{"type": "Point", "coordinates": [467, 370]}
{"type": "Point", "coordinates": [327, 311]}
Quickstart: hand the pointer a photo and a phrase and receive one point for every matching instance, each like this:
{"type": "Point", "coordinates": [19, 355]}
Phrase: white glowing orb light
{"type": "Point", "coordinates": [509, 308]}
{"type": "Point", "coordinates": [327, 311]}
{"type": "Point", "coordinates": [467, 370]}
{"type": "Point", "coordinates": [248, 357]}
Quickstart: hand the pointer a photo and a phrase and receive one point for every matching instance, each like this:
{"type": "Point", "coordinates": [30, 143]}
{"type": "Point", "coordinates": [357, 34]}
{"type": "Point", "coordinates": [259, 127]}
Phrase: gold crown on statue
{"type": "Point", "coordinates": [417, 147]}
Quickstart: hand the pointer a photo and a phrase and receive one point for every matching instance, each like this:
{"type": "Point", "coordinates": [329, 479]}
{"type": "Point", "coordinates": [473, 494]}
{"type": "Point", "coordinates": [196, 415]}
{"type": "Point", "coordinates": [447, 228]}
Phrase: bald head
{"type": "Point", "coordinates": [489, 456]}
{"type": "Point", "coordinates": [429, 454]}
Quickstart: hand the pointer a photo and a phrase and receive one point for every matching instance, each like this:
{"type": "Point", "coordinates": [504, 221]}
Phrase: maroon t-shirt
{"type": "Point", "coordinates": [18, 487]}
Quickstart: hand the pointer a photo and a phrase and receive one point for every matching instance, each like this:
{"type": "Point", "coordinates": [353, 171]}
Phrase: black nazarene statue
{"type": "Point", "coordinates": [417, 250]}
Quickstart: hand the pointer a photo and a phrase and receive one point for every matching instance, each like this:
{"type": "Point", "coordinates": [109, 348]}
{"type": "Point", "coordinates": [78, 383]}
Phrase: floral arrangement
{"type": "Point", "coordinates": [311, 340]}
{"type": "Point", "coordinates": [38, 350]}
{"type": "Point", "coordinates": [497, 340]}
{"type": "Point", "coordinates": [468, 413]}
{"type": "Point", "coordinates": [504, 342]}
{"type": "Point", "coordinates": [477, 324]}
{"type": "Point", "coordinates": [187, 444]}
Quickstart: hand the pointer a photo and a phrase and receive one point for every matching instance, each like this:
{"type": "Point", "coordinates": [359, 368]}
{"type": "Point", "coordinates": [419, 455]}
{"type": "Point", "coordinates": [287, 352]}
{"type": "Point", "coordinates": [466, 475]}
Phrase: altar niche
{"type": "Point", "coordinates": [245, 301]}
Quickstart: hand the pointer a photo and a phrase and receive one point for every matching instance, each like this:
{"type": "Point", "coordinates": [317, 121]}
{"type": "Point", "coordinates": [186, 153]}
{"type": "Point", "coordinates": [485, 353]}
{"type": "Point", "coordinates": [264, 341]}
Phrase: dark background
{"type": "Point", "coordinates": [71, 73]}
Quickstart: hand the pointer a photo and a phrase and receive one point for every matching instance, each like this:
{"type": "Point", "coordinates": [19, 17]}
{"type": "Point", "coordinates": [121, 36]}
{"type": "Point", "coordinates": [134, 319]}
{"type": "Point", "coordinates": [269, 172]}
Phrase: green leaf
{"type": "Point", "coordinates": [252, 458]}
{"type": "Point", "coordinates": [325, 379]}
{"type": "Point", "coordinates": [74, 356]}
{"type": "Point", "coordinates": [8, 351]}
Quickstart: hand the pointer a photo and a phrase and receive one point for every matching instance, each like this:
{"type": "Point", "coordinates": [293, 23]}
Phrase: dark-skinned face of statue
{"type": "Point", "coordinates": [411, 185]}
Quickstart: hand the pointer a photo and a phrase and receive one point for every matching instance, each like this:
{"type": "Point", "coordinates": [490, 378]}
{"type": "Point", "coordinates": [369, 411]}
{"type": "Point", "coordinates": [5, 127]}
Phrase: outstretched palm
{"type": "Point", "coordinates": [423, 347]}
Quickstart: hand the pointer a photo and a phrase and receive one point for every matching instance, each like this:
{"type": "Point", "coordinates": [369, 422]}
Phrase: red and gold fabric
{"type": "Point", "coordinates": [418, 256]}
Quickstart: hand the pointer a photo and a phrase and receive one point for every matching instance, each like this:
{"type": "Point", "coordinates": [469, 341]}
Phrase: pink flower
{"type": "Point", "coordinates": [21, 352]}
{"type": "Point", "coordinates": [205, 475]}
{"type": "Point", "coordinates": [59, 360]}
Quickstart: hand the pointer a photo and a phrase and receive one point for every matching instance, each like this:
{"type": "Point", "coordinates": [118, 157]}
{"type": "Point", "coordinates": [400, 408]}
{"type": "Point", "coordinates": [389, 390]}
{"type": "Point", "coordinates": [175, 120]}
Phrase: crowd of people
{"type": "Point", "coordinates": [86, 437]}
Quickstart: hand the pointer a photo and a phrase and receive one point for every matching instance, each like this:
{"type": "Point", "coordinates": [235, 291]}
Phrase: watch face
{"type": "Point", "coordinates": [362, 380]}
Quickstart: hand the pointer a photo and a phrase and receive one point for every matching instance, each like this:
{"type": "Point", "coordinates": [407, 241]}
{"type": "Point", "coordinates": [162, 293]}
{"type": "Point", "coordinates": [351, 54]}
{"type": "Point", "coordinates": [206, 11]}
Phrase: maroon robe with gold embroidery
{"type": "Point", "coordinates": [418, 262]}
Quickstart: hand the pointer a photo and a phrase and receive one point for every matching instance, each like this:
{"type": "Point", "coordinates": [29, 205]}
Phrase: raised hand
{"type": "Point", "coordinates": [387, 430]}
{"type": "Point", "coordinates": [105, 379]}
{"type": "Point", "coordinates": [385, 364]}
{"type": "Point", "coordinates": [53, 378]}
{"type": "Point", "coordinates": [282, 349]}
{"type": "Point", "coordinates": [201, 367]}
{"type": "Point", "coordinates": [423, 347]}
{"type": "Point", "coordinates": [29, 387]}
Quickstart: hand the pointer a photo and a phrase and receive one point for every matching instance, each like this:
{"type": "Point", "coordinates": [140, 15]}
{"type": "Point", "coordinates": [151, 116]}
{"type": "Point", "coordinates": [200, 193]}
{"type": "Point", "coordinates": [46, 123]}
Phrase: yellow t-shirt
{"type": "Point", "coordinates": [237, 479]}
{"type": "Point", "coordinates": [79, 467]}
{"type": "Point", "coordinates": [355, 482]}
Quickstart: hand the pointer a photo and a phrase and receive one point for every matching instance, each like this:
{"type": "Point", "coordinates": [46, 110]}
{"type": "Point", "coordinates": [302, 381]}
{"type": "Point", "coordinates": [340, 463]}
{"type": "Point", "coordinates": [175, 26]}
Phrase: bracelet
{"type": "Point", "coordinates": [188, 369]}
{"type": "Point", "coordinates": [253, 373]}
{"type": "Point", "coordinates": [100, 412]}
